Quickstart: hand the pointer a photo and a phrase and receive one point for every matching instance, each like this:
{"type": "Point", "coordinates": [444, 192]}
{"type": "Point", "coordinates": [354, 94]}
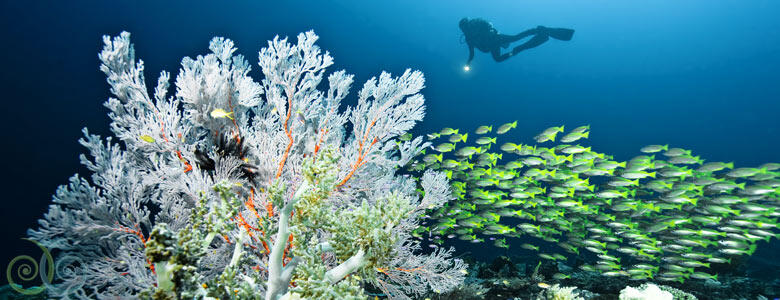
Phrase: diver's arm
{"type": "Point", "coordinates": [471, 54]}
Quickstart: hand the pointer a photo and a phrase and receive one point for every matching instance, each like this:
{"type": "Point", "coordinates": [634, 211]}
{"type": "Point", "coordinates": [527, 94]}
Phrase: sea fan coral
{"type": "Point", "coordinates": [233, 188]}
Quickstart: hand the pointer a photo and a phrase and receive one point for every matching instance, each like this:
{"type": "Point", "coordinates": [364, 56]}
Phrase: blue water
{"type": "Point", "coordinates": [695, 74]}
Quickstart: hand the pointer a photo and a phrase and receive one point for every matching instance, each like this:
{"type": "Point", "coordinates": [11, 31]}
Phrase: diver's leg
{"type": "Point", "coordinates": [505, 38]}
{"type": "Point", "coordinates": [535, 41]}
{"type": "Point", "coordinates": [498, 57]}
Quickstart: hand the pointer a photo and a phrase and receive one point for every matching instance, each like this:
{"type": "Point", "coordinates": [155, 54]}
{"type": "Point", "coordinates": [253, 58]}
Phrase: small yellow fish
{"type": "Point", "coordinates": [221, 113]}
{"type": "Point", "coordinates": [543, 285]}
{"type": "Point", "coordinates": [146, 138]}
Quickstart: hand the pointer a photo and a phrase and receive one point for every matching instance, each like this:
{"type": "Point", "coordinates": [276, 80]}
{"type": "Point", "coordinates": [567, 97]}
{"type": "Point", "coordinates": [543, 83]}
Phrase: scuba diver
{"type": "Point", "coordinates": [480, 34]}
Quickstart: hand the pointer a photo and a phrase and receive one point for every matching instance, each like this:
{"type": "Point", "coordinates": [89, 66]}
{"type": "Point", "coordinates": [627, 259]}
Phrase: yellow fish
{"type": "Point", "coordinates": [221, 113]}
{"type": "Point", "coordinates": [146, 138]}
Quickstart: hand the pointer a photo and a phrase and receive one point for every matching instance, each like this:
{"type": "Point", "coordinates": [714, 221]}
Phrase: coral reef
{"type": "Point", "coordinates": [556, 292]}
{"type": "Point", "coordinates": [232, 188]}
{"type": "Point", "coordinates": [677, 294]}
{"type": "Point", "coordinates": [646, 291]}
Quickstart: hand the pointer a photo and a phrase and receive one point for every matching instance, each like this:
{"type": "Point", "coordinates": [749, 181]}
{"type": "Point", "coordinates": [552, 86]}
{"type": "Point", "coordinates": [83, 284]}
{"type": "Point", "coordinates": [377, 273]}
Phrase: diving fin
{"type": "Point", "coordinates": [562, 34]}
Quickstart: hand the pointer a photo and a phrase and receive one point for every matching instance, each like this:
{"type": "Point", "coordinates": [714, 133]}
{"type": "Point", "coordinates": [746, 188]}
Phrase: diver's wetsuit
{"type": "Point", "coordinates": [481, 35]}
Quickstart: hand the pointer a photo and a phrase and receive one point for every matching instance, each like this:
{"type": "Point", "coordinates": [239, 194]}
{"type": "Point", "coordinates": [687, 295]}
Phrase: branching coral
{"type": "Point", "coordinates": [232, 188]}
{"type": "Point", "coordinates": [556, 292]}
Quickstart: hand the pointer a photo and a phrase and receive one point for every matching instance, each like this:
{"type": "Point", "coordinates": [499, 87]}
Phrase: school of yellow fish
{"type": "Point", "coordinates": [665, 215]}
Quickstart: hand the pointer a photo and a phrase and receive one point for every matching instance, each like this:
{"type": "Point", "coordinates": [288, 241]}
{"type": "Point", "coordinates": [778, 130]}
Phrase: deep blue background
{"type": "Point", "coordinates": [695, 74]}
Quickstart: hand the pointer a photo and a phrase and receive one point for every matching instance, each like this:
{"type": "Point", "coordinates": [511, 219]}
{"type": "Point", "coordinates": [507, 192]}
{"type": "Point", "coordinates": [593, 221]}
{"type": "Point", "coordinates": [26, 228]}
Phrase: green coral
{"type": "Point", "coordinates": [176, 256]}
{"type": "Point", "coordinates": [311, 281]}
{"type": "Point", "coordinates": [370, 227]}
{"type": "Point", "coordinates": [351, 230]}
{"type": "Point", "coordinates": [175, 263]}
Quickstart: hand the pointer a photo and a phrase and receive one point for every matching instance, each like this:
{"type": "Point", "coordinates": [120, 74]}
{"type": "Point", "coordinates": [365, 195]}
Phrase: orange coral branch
{"type": "Point", "coordinates": [137, 232]}
{"type": "Point", "coordinates": [322, 133]}
{"type": "Point", "coordinates": [186, 163]}
{"type": "Point", "coordinates": [249, 229]}
{"type": "Point", "coordinates": [409, 270]}
{"type": "Point", "coordinates": [359, 162]}
{"type": "Point", "coordinates": [384, 270]}
{"type": "Point", "coordinates": [188, 167]}
{"type": "Point", "coordinates": [289, 245]}
{"type": "Point", "coordinates": [269, 207]}
{"type": "Point", "coordinates": [289, 135]}
{"type": "Point", "coordinates": [250, 204]}
{"type": "Point", "coordinates": [230, 105]}
{"type": "Point", "coordinates": [361, 154]}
